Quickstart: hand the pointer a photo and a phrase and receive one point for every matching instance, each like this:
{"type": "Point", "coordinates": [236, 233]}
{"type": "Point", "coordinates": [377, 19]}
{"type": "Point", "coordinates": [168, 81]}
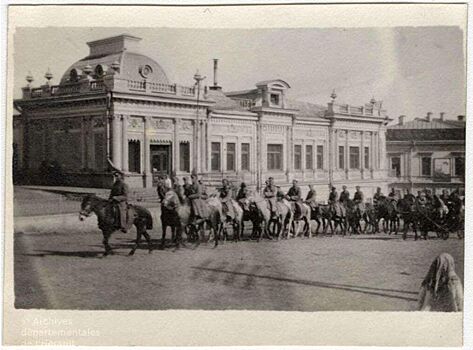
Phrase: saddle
{"type": "Point", "coordinates": [114, 213]}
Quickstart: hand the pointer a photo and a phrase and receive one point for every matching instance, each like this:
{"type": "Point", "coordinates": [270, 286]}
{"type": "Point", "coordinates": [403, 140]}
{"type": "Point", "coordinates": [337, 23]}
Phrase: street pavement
{"type": "Point", "coordinates": [59, 268]}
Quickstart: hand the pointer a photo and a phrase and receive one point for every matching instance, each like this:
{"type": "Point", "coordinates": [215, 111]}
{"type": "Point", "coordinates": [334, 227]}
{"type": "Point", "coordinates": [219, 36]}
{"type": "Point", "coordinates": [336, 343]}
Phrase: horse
{"type": "Point", "coordinates": [107, 222]}
{"type": "Point", "coordinates": [354, 215]}
{"type": "Point", "coordinates": [304, 216]}
{"type": "Point", "coordinates": [386, 210]}
{"type": "Point", "coordinates": [334, 212]}
{"type": "Point", "coordinates": [178, 215]}
{"type": "Point", "coordinates": [260, 214]}
{"type": "Point", "coordinates": [410, 216]}
{"type": "Point", "coordinates": [236, 222]}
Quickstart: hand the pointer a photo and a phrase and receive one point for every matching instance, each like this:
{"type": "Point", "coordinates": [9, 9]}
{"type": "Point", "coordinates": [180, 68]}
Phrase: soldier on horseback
{"type": "Point", "coordinates": [409, 197]}
{"type": "Point", "coordinates": [333, 196]}
{"type": "Point", "coordinates": [311, 198]}
{"type": "Point", "coordinates": [119, 198]}
{"type": "Point", "coordinates": [270, 193]}
{"type": "Point", "coordinates": [226, 199]}
{"type": "Point", "coordinates": [378, 196]}
{"type": "Point", "coordinates": [199, 207]}
{"type": "Point", "coordinates": [345, 195]}
{"type": "Point", "coordinates": [294, 195]}
{"type": "Point", "coordinates": [242, 192]}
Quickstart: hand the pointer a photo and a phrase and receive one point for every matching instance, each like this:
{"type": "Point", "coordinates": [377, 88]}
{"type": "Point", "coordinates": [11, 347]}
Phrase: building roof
{"type": "Point", "coordinates": [124, 50]}
{"type": "Point", "coordinates": [307, 110]}
{"type": "Point", "coordinates": [222, 102]}
{"type": "Point", "coordinates": [424, 130]}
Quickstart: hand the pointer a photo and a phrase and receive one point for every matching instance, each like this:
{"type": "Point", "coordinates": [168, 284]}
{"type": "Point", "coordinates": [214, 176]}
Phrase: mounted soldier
{"type": "Point", "coordinates": [359, 198]}
{"type": "Point", "coordinates": [226, 199]}
{"type": "Point", "coordinates": [311, 198]}
{"type": "Point", "coordinates": [333, 196]}
{"type": "Point", "coordinates": [409, 197]}
{"type": "Point", "coordinates": [119, 198]}
{"type": "Point", "coordinates": [242, 192]}
{"type": "Point", "coordinates": [378, 196]}
{"type": "Point", "coordinates": [270, 192]}
{"type": "Point", "coordinates": [186, 186]}
{"type": "Point", "coordinates": [345, 195]}
{"type": "Point", "coordinates": [199, 207]}
{"type": "Point", "coordinates": [294, 195]}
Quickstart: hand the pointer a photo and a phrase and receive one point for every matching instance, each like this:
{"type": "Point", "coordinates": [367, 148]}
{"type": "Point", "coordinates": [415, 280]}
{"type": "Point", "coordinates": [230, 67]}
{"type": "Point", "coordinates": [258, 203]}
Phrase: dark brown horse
{"type": "Point", "coordinates": [108, 224]}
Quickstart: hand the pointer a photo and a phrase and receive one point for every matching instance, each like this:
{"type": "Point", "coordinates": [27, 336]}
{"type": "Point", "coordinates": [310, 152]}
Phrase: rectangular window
{"type": "Point", "coordinates": [320, 157]}
{"type": "Point", "coordinates": [99, 153]}
{"type": "Point", "coordinates": [275, 99]}
{"type": "Point", "coordinates": [184, 156]}
{"type": "Point", "coordinates": [134, 156]}
{"type": "Point", "coordinates": [275, 157]}
{"type": "Point", "coordinates": [341, 157]}
{"type": "Point", "coordinates": [459, 166]}
{"type": "Point", "coordinates": [396, 166]}
{"type": "Point", "coordinates": [309, 156]}
{"type": "Point", "coordinates": [230, 156]}
{"type": "Point", "coordinates": [367, 158]}
{"type": "Point", "coordinates": [426, 166]}
{"type": "Point", "coordinates": [215, 156]}
{"type": "Point", "coordinates": [245, 156]}
{"type": "Point", "coordinates": [297, 157]}
{"type": "Point", "coordinates": [354, 157]}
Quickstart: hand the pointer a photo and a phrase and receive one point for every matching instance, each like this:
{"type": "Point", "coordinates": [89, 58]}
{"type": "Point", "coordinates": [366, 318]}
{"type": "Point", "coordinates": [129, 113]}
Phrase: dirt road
{"type": "Point", "coordinates": [65, 270]}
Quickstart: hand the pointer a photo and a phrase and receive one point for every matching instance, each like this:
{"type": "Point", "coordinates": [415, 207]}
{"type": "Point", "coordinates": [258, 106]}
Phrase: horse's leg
{"type": "Point", "coordinates": [307, 227]}
{"type": "Point", "coordinates": [139, 228]}
{"type": "Point", "coordinates": [163, 238]}
{"type": "Point", "coordinates": [106, 237]}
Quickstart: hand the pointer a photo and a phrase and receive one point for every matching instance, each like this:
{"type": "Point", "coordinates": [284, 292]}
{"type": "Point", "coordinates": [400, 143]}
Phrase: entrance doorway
{"type": "Point", "coordinates": [161, 160]}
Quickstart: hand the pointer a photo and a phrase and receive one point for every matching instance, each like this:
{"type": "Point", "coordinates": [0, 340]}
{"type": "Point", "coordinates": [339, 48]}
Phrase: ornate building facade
{"type": "Point", "coordinates": [117, 103]}
{"type": "Point", "coordinates": [427, 153]}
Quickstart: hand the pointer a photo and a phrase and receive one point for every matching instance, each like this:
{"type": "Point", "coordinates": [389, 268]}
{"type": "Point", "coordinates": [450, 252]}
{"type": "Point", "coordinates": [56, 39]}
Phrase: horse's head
{"type": "Point", "coordinates": [170, 201]}
{"type": "Point", "coordinates": [86, 207]}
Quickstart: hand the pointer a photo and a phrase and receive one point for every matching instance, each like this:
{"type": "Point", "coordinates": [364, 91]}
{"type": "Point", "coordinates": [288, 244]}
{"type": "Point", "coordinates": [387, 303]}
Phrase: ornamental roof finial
{"type": "Point", "coordinates": [372, 101]}
{"type": "Point", "coordinates": [29, 78]}
{"type": "Point", "coordinates": [333, 96]}
{"type": "Point", "coordinates": [48, 75]}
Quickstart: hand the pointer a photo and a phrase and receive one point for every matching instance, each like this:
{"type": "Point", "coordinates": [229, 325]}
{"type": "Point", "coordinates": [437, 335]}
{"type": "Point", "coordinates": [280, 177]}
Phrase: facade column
{"type": "Point", "coordinates": [375, 150]}
{"type": "Point", "coordinates": [116, 141]}
{"type": "Point", "coordinates": [289, 152]}
{"type": "Point", "coordinates": [259, 151]}
{"type": "Point", "coordinates": [146, 153]}
{"type": "Point", "coordinates": [175, 149]}
{"type": "Point", "coordinates": [347, 154]}
{"type": "Point", "coordinates": [124, 143]}
{"type": "Point", "coordinates": [382, 148]}
{"type": "Point", "coordinates": [84, 143]}
{"type": "Point", "coordinates": [202, 141]}
{"type": "Point", "coordinates": [362, 154]}
{"type": "Point", "coordinates": [196, 148]}
{"type": "Point", "coordinates": [332, 154]}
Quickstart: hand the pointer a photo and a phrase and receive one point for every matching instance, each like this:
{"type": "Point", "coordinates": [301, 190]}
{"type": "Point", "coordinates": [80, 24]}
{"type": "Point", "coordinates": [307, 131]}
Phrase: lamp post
{"type": "Point", "coordinates": [198, 79]}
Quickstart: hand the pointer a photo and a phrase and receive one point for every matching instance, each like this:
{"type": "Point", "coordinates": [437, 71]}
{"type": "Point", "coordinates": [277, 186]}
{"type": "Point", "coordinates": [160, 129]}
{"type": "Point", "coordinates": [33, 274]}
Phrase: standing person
{"type": "Point", "coordinates": [226, 199]}
{"type": "Point", "coordinates": [294, 195]}
{"type": "Point", "coordinates": [441, 289]}
{"type": "Point", "coordinates": [167, 183]}
{"type": "Point", "coordinates": [119, 197]}
{"type": "Point", "coordinates": [445, 196]}
{"type": "Point", "coordinates": [409, 196]}
{"type": "Point", "coordinates": [270, 192]}
{"type": "Point", "coordinates": [311, 198]}
{"type": "Point", "coordinates": [345, 195]}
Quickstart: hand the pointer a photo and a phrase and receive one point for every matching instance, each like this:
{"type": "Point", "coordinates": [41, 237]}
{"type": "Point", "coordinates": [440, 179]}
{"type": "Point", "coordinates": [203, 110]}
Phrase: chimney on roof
{"type": "Point", "coordinates": [402, 118]}
{"type": "Point", "coordinates": [429, 116]}
{"type": "Point", "coordinates": [461, 118]}
{"type": "Point", "coordinates": [215, 86]}
{"type": "Point", "coordinates": [442, 116]}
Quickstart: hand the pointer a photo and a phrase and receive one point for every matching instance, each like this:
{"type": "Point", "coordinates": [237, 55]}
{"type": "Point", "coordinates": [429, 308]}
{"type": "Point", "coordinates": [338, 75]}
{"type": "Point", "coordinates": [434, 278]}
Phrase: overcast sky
{"type": "Point", "coordinates": [412, 70]}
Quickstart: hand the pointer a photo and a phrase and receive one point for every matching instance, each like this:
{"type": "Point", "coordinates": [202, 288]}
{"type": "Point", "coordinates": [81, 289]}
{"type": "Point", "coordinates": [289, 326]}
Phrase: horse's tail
{"type": "Point", "coordinates": [146, 215]}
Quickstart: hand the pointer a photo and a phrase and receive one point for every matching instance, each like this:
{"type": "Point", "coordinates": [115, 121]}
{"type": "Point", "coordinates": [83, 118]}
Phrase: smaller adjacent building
{"type": "Point", "coordinates": [427, 153]}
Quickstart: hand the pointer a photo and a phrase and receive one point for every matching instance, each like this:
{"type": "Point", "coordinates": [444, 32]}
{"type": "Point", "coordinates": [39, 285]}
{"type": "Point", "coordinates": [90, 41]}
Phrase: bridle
{"type": "Point", "coordinates": [85, 212]}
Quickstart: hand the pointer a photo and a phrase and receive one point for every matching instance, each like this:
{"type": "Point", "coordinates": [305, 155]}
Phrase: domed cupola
{"type": "Point", "coordinates": [118, 56]}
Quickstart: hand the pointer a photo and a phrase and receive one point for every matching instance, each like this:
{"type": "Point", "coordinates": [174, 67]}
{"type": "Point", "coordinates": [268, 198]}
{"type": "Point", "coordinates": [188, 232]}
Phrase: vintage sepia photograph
{"type": "Point", "coordinates": [281, 169]}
